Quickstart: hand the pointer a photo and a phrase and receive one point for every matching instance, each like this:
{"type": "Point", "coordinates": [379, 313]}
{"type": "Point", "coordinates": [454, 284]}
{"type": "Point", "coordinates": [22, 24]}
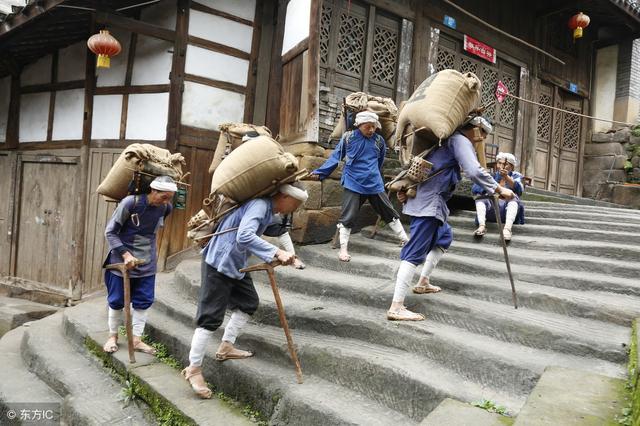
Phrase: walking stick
{"type": "Point", "coordinates": [496, 208]}
{"type": "Point", "coordinates": [127, 303]}
{"type": "Point", "coordinates": [269, 267]}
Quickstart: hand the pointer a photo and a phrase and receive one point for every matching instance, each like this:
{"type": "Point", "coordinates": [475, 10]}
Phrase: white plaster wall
{"type": "Point", "coordinates": [38, 72]}
{"type": "Point", "coordinates": [115, 75]}
{"type": "Point", "coordinates": [296, 24]}
{"type": "Point", "coordinates": [68, 114]}
{"type": "Point", "coordinates": [242, 9]}
{"type": "Point", "coordinates": [604, 87]}
{"type": "Point", "coordinates": [147, 116]}
{"type": "Point", "coordinates": [152, 63]}
{"type": "Point", "coordinates": [206, 107]}
{"type": "Point", "coordinates": [107, 110]}
{"type": "Point", "coordinates": [5, 97]}
{"type": "Point", "coordinates": [217, 66]}
{"type": "Point", "coordinates": [34, 115]}
{"type": "Point", "coordinates": [220, 30]}
{"type": "Point", "coordinates": [71, 62]}
{"type": "Point", "coordinates": [162, 14]}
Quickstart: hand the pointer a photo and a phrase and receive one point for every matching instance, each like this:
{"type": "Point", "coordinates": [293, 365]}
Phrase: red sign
{"type": "Point", "coordinates": [480, 49]}
{"type": "Point", "coordinates": [501, 91]}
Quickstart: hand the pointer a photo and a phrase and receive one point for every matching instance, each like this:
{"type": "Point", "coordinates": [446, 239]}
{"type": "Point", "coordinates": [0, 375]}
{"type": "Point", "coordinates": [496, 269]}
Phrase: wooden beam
{"type": "Point", "coordinates": [13, 125]}
{"type": "Point", "coordinates": [61, 144]}
{"type": "Point", "coordinates": [53, 87]}
{"type": "Point", "coordinates": [29, 13]}
{"type": "Point", "coordinates": [124, 90]}
{"type": "Point", "coordinates": [206, 9]}
{"type": "Point", "coordinates": [52, 97]}
{"type": "Point", "coordinates": [274, 93]}
{"type": "Point", "coordinates": [217, 47]}
{"type": "Point", "coordinates": [135, 26]}
{"type": "Point", "coordinates": [127, 82]}
{"type": "Point", "coordinates": [295, 50]}
{"type": "Point", "coordinates": [216, 83]}
{"type": "Point", "coordinates": [312, 120]}
{"type": "Point", "coordinates": [250, 92]}
{"type": "Point", "coordinates": [368, 53]}
{"type": "Point", "coordinates": [177, 74]}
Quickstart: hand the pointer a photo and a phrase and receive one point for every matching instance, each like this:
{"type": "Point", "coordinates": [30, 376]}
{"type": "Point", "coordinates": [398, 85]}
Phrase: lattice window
{"type": "Point", "coordinates": [544, 118]}
{"type": "Point", "coordinates": [571, 130]}
{"type": "Point", "coordinates": [489, 81]}
{"type": "Point", "coordinates": [508, 107]}
{"type": "Point", "coordinates": [468, 66]}
{"type": "Point", "coordinates": [351, 43]}
{"type": "Point", "coordinates": [557, 128]}
{"type": "Point", "coordinates": [446, 60]}
{"type": "Point", "coordinates": [385, 51]}
{"type": "Point", "coordinates": [325, 25]}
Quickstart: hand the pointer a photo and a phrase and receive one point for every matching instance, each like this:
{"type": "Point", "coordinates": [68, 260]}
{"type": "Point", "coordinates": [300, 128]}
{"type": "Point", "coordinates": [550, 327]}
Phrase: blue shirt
{"type": "Point", "coordinates": [518, 187]}
{"type": "Point", "coordinates": [432, 195]}
{"type": "Point", "coordinates": [228, 252]}
{"type": "Point", "coordinates": [363, 158]}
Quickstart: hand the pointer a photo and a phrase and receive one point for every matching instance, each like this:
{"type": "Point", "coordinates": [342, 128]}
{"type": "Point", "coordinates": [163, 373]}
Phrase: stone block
{"type": "Point", "coordinates": [635, 173]}
{"type": "Point", "coordinates": [628, 195]}
{"type": "Point", "coordinates": [604, 162]}
{"type": "Point", "coordinates": [315, 226]}
{"type": "Point", "coordinates": [635, 161]}
{"type": "Point", "coordinates": [601, 191]}
{"type": "Point", "coordinates": [314, 189]}
{"type": "Point", "coordinates": [591, 177]}
{"type": "Point", "coordinates": [603, 148]}
{"type": "Point", "coordinates": [634, 140]}
{"type": "Point", "coordinates": [311, 162]}
{"type": "Point", "coordinates": [331, 193]}
{"type": "Point", "coordinates": [301, 149]}
{"type": "Point", "coordinates": [622, 135]}
{"type": "Point", "coordinates": [602, 137]}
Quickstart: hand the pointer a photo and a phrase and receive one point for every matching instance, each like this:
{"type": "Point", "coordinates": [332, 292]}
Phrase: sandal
{"type": "Point", "coordinates": [188, 373]}
{"type": "Point", "coordinates": [482, 229]}
{"type": "Point", "coordinates": [404, 315]}
{"type": "Point", "coordinates": [299, 264]}
{"type": "Point", "coordinates": [344, 257]}
{"type": "Point", "coordinates": [425, 289]}
{"type": "Point", "coordinates": [233, 353]}
{"type": "Point", "coordinates": [507, 234]}
{"type": "Point", "coordinates": [144, 348]}
{"type": "Point", "coordinates": [111, 345]}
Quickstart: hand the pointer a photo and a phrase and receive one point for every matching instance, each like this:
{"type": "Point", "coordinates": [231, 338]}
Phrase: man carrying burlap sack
{"type": "Point", "coordinates": [363, 152]}
{"type": "Point", "coordinates": [224, 286]}
{"type": "Point", "coordinates": [428, 210]}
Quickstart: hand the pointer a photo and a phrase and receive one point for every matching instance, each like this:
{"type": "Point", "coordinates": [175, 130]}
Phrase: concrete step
{"type": "Point", "coordinates": [267, 380]}
{"type": "Point", "coordinates": [15, 312]}
{"type": "Point", "coordinates": [456, 413]}
{"type": "Point", "coordinates": [19, 388]}
{"type": "Point", "coordinates": [583, 208]}
{"type": "Point", "coordinates": [162, 386]}
{"type": "Point", "coordinates": [91, 395]}
{"type": "Point", "coordinates": [382, 373]}
{"type": "Point", "coordinates": [573, 397]}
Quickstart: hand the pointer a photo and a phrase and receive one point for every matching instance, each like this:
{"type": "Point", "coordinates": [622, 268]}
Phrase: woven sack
{"type": "Point", "coordinates": [231, 137]}
{"type": "Point", "coordinates": [253, 168]}
{"type": "Point", "coordinates": [144, 158]}
{"type": "Point", "coordinates": [435, 110]}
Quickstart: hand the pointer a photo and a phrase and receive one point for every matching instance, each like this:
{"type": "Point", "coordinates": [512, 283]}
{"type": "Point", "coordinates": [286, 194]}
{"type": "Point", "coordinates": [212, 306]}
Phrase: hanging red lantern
{"type": "Point", "coordinates": [577, 23]}
{"type": "Point", "coordinates": [105, 46]}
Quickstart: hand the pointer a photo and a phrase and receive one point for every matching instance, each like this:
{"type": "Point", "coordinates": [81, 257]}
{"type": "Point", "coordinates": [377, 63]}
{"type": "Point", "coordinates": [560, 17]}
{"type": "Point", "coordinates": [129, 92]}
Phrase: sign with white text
{"type": "Point", "coordinates": [480, 49]}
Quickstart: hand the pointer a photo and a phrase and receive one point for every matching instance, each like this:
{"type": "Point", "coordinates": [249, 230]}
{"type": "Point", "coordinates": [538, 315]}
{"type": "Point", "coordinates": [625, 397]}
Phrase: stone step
{"type": "Point", "coordinates": [267, 380]}
{"type": "Point", "coordinates": [164, 387]}
{"type": "Point", "coordinates": [19, 388]}
{"type": "Point", "coordinates": [456, 413]}
{"type": "Point", "coordinates": [583, 208]}
{"type": "Point", "coordinates": [573, 397]}
{"type": "Point", "coordinates": [384, 374]}
{"type": "Point", "coordinates": [91, 395]}
{"type": "Point", "coordinates": [15, 312]}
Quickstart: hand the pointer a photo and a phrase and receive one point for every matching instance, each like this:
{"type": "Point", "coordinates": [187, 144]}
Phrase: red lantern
{"type": "Point", "coordinates": [104, 45]}
{"type": "Point", "coordinates": [577, 23]}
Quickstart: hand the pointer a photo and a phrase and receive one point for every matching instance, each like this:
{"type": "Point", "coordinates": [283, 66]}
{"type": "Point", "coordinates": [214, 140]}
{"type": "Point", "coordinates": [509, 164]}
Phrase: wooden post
{"type": "Point", "coordinates": [312, 120]}
{"type": "Point", "coordinates": [177, 74]}
{"type": "Point", "coordinates": [275, 76]}
{"type": "Point", "coordinates": [13, 126]}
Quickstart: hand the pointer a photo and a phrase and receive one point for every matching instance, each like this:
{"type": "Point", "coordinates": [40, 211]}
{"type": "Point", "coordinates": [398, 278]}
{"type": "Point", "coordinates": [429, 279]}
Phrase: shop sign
{"type": "Point", "coordinates": [450, 21]}
{"type": "Point", "coordinates": [480, 49]}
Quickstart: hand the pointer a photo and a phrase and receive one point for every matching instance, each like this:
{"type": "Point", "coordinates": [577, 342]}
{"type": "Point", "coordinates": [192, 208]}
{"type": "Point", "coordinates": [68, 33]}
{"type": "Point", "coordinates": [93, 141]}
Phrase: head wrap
{"type": "Point", "coordinates": [367, 117]}
{"type": "Point", "coordinates": [164, 184]}
{"type": "Point", "coordinates": [294, 191]}
{"type": "Point", "coordinates": [508, 157]}
{"type": "Point", "coordinates": [479, 121]}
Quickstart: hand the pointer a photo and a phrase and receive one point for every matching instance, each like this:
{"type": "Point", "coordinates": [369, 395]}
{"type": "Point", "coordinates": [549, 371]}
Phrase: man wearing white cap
{"type": "Point", "coordinates": [363, 151]}
{"type": "Point", "coordinates": [224, 287]}
{"type": "Point", "coordinates": [131, 234]}
{"type": "Point", "coordinates": [511, 211]}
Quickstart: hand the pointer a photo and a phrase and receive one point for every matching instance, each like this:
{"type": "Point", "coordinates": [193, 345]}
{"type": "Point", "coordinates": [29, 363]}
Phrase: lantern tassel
{"type": "Point", "coordinates": [103, 61]}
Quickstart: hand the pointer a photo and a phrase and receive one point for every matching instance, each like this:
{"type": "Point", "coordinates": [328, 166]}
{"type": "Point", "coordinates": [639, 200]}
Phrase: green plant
{"type": "Point", "coordinates": [490, 406]}
{"type": "Point", "coordinates": [635, 130]}
{"type": "Point", "coordinates": [128, 393]}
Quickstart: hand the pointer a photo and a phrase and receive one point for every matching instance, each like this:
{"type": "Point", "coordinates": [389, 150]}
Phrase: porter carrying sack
{"type": "Point", "coordinates": [145, 158]}
{"type": "Point", "coordinates": [435, 110]}
{"type": "Point", "coordinates": [231, 135]}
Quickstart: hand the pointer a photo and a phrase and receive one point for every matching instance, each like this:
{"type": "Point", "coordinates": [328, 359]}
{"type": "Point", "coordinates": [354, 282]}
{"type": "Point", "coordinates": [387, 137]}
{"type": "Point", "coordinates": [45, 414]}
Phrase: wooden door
{"type": "Point", "coordinates": [47, 215]}
{"type": "Point", "coordinates": [7, 177]}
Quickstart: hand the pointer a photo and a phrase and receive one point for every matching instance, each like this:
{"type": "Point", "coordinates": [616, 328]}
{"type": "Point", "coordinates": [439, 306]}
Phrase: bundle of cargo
{"type": "Point", "coordinates": [136, 167]}
{"type": "Point", "coordinates": [231, 135]}
{"type": "Point", "coordinates": [360, 101]}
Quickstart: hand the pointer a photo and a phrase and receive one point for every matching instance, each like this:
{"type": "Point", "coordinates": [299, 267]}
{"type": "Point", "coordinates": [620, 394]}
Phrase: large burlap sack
{"type": "Point", "coordinates": [144, 158]}
{"type": "Point", "coordinates": [251, 169]}
{"type": "Point", "coordinates": [435, 110]}
{"type": "Point", "coordinates": [360, 101]}
{"type": "Point", "coordinates": [231, 137]}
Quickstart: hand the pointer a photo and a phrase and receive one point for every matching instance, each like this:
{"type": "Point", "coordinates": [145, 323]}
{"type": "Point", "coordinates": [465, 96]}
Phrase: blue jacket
{"type": "Point", "coordinates": [363, 158]}
{"type": "Point", "coordinates": [518, 187]}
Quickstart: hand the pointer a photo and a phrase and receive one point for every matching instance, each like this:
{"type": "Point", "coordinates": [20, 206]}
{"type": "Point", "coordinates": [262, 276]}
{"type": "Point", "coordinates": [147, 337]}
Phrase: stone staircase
{"type": "Point", "coordinates": [576, 271]}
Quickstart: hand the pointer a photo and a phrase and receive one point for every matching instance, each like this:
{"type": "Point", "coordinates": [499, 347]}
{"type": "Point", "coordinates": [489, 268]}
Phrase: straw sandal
{"type": "Point", "coordinates": [344, 257]}
{"type": "Point", "coordinates": [482, 229]}
{"type": "Point", "coordinates": [404, 315]}
{"type": "Point", "coordinates": [144, 348]}
{"type": "Point", "coordinates": [507, 234]}
{"type": "Point", "coordinates": [299, 264]}
{"type": "Point", "coordinates": [111, 345]}
{"type": "Point", "coordinates": [202, 392]}
{"type": "Point", "coordinates": [226, 352]}
{"type": "Point", "coordinates": [426, 289]}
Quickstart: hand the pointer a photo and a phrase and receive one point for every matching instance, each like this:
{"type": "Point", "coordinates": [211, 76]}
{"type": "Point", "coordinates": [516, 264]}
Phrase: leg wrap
{"type": "Point", "coordinates": [430, 264]}
{"type": "Point", "coordinates": [286, 243]}
{"type": "Point", "coordinates": [114, 320]}
{"type": "Point", "coordinates": [199, 343]}
{"type": "Point", "coordinates": [344, 236]}
{"type": "Point", "coordinates": [512, 212]}
{"type": "Point", "coordinates": [398, 229]}
{"type": "Point", "coordinates": [138, 321]}
{"type": "Point", "coordinates": [403, 280]}
{"type": "Point", "coordinates": [238, 320]}
{"type": "Point", "coordinates": [481, 212]}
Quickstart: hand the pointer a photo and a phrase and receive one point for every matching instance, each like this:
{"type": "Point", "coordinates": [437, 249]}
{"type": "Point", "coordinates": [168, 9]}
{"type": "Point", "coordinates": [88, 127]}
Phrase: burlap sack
{"type": "Point", "coordinates": [252, 168]}
{"type": "Point", "coordinates": [139, 157]}
{"type": "Point", "coordinates": [435, 110]}
{"type": "Point", "coordinates": [231, 137]}
{"type": "Point", "coordinates": [384, 107]}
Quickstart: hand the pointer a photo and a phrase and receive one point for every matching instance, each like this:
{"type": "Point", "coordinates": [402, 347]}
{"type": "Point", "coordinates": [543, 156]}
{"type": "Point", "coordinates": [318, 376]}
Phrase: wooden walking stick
{"type": "Point", "coordinates": [269, 267]}
{"type": "Point", "coordinates": [122, 267]}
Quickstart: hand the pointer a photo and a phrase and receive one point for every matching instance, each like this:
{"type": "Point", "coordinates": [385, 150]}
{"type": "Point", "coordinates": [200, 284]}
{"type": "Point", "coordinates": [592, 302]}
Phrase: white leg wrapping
{"type": "Point", "coordinates": [238, 320]}
{"type": "Point", "coordinates": [481, 212]}
{"type": "Point", "coordinates": [512, 212]}
{"type": "Point", "coordinates": [430, 264]}
{"type": "Point", "coordinates": [286, 243]}
{"type": "Point", "coordinates": [114, 320]}
{"type": "Point", "coordinates": [138, 320]}
{"type": "Point", "coordinates": [344, 236]}
{"type": "Point", "coordinates": [199, 344]}
{"type": "Point", "coordinates": [403, 280]}
{"type": "Point", "coordinates": [398, 229]}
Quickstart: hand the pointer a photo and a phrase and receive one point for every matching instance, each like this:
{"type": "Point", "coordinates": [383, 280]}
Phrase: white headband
{"type": "Point", "coordinates": [164, 184]}
{"type": "Point", "coordinates": [292, 191]}
{"type": "Point", "coordinates": [483, 123]}
{"type": "Point", "coordinates": [508, 157]}
{"type": "Point", "coordinates": [367, 117]}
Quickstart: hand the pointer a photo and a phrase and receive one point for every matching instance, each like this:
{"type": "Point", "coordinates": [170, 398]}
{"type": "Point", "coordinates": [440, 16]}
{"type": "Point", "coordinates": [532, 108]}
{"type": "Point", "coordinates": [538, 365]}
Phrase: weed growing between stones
{"type": "Point", "coordinates": [490, 406]}
{"type": "Point", "coordinates": [631, 410]}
